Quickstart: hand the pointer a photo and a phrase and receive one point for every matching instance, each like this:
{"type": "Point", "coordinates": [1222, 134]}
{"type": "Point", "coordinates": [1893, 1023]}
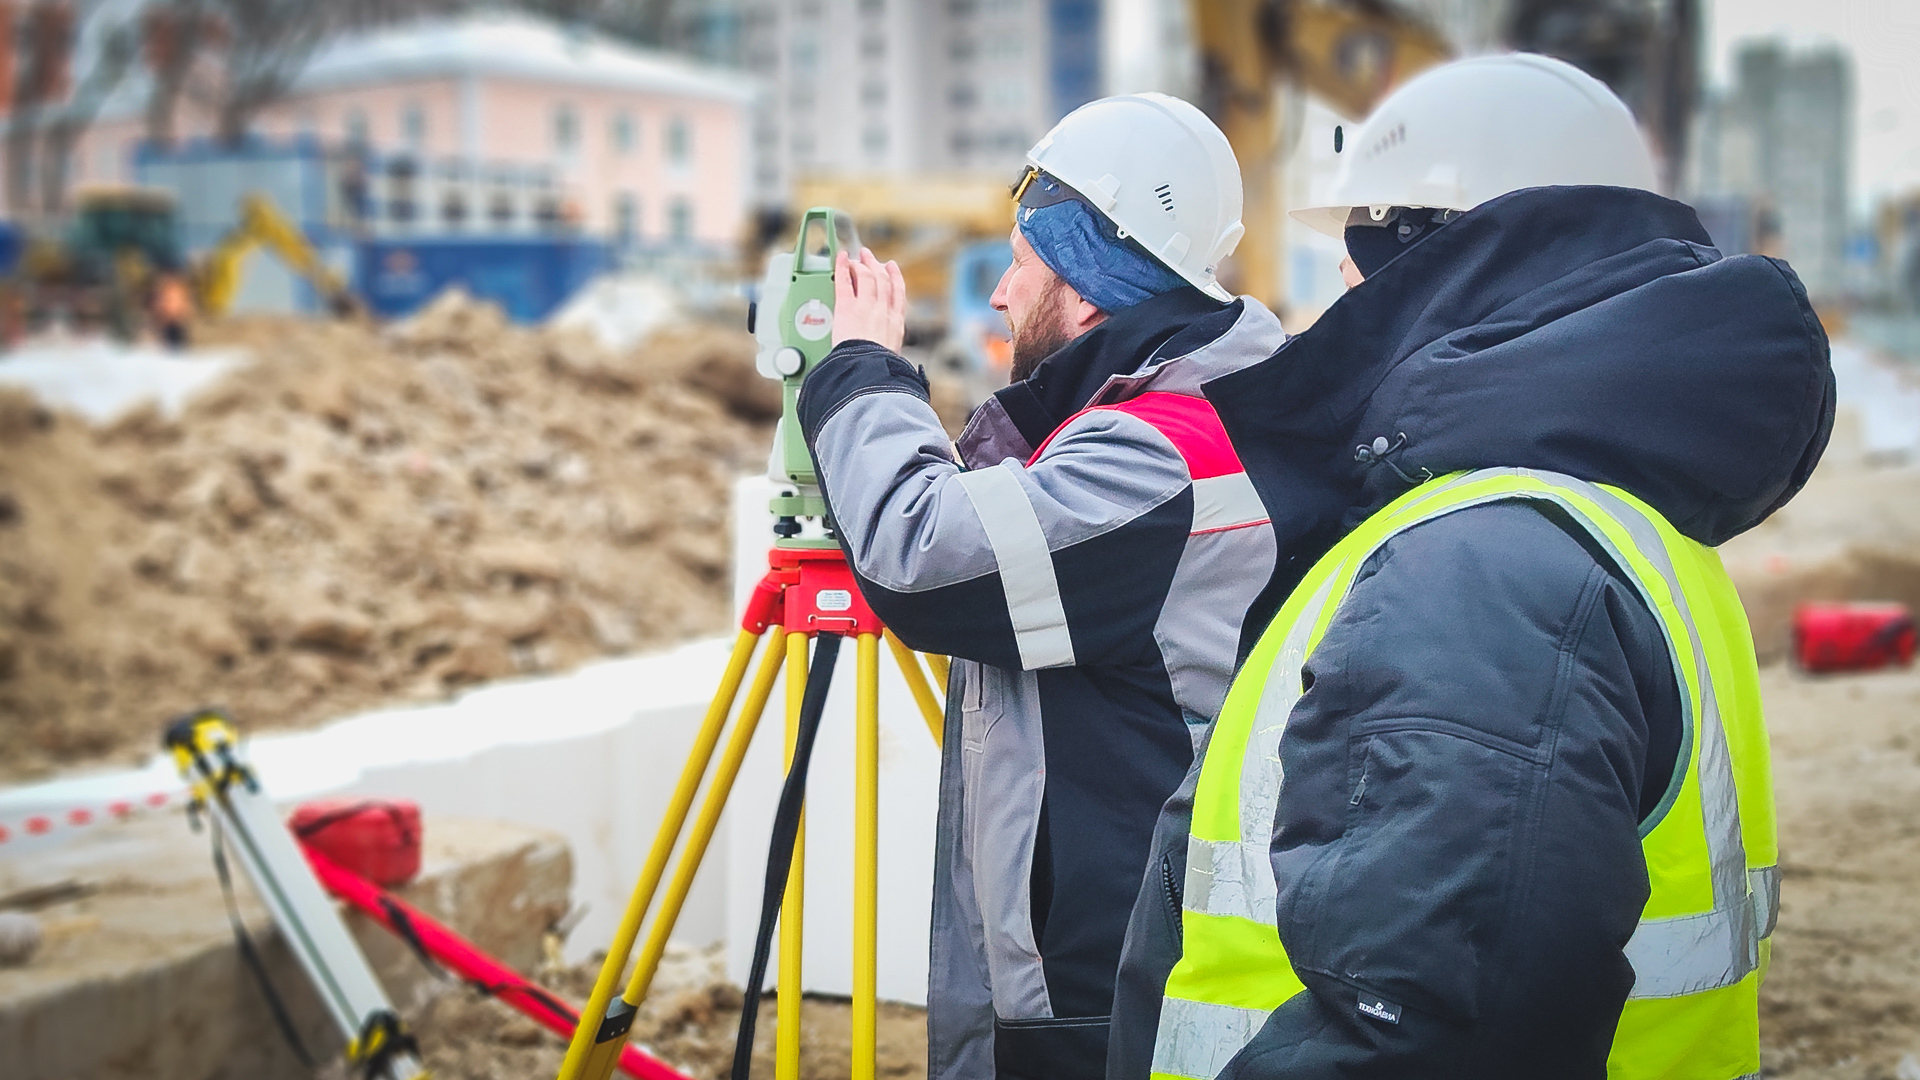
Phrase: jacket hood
{"type": "Point", "coordinates": [1592, 331]}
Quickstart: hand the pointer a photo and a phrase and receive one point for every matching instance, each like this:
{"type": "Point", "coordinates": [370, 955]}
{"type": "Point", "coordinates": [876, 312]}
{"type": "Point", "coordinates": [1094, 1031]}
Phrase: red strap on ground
{"type": "Point", "coordinates": [464, 959]}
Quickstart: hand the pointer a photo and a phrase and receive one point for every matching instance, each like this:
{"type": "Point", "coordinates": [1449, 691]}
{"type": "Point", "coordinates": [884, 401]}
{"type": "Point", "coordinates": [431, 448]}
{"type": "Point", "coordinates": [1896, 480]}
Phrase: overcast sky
{"type": "Point", "coordinates": [1883, 37]}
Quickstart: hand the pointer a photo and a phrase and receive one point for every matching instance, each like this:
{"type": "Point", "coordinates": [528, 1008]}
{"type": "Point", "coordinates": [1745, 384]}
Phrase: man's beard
{"type": "Point", "coordinates": [1041, 333]}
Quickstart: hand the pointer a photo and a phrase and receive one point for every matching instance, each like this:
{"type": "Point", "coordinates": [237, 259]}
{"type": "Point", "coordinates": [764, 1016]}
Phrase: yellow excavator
{"type": "Point", "coordinates": [262, 224]}
{"type": "Point", "coordinates": [1348, 53]}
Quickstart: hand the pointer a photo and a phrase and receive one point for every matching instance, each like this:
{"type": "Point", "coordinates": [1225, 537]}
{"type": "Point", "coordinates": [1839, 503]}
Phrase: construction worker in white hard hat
{"type": "Point", "coordinates": [1490, 797]}
{"type": "Point", "coordinates": [1084, 552]}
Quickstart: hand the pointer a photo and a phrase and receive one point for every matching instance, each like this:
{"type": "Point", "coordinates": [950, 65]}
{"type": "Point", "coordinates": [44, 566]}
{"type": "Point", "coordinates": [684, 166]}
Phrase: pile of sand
{"type": "Point", "coordinates": [362, 516]}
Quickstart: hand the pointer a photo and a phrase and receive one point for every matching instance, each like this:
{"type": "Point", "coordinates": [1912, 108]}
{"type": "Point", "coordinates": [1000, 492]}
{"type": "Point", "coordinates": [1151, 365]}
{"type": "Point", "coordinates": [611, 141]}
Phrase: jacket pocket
{"type": "Point", "coordinates": [1054, 1048]}
{"type": "Point", "coordinates": [1405, 901]}
{"type": "Point", "coordinates": [1170, 891]}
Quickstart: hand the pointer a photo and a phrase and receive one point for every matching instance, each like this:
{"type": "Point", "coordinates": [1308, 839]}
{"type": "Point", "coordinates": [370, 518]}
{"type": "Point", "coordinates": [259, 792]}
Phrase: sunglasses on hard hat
{"type": "Point", "coordinates": [1035, 189]}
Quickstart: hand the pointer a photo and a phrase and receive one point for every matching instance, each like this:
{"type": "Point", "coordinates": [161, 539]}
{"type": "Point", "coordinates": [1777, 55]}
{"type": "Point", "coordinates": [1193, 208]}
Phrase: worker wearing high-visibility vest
{"type": "Point", "coordinates": [1490, 795]}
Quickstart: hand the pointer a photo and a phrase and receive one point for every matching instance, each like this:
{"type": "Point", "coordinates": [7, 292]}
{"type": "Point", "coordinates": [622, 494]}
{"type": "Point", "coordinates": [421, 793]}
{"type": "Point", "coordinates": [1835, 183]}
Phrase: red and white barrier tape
{"type": "Point", "coordinates": [74, 817]}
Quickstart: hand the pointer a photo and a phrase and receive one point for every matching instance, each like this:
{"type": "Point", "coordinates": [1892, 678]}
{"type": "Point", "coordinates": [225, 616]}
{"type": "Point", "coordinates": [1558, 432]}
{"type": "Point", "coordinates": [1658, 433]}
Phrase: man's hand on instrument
{"type": "Point", "coordinates": [869, 300]}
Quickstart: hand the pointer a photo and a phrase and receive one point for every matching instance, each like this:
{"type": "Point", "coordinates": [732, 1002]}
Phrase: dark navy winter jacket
{"type": "Point", "coordinates": [1507, 695]}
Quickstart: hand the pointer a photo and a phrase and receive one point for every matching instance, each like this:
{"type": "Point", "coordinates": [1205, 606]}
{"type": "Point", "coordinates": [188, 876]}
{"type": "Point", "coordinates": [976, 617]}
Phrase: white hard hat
{"type": "Point", "coordinates": [1160, 170]}
{"type": "Point", "coordinates": [1473, 130]}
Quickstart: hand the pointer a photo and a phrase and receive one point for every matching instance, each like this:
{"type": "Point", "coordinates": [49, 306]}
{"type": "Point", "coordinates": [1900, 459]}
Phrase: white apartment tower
{"type": "Point", "coordinates": [907, 87]}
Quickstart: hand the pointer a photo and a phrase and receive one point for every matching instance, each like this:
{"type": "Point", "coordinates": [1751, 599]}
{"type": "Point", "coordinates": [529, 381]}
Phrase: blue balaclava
{"type": "Point", "coordinates": [1085, 248]}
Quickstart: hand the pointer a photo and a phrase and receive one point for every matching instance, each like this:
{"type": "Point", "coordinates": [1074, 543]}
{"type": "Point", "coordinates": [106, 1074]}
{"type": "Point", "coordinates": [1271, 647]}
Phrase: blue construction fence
{"type": "Point", "coordinates": [529, 278]}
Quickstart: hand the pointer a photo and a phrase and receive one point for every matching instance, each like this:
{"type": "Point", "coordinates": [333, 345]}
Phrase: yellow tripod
{"type": "Point", "coordinates": [808, 591]}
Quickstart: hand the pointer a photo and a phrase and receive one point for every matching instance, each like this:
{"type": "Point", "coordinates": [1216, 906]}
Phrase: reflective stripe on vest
{"type": "Point", "coordinates": [1698, 948]}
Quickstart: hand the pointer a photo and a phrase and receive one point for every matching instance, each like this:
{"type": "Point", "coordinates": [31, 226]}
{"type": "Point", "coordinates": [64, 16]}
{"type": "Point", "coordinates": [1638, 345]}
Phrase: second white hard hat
{"type": "Point", "coordinates": [1161, 171]}
{"type": "Point", "coordinates": [1473, 130]}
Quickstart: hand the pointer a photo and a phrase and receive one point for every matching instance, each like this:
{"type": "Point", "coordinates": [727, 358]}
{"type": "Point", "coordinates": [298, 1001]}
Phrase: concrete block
{"type": "Point", "coordinates": [140, 976]}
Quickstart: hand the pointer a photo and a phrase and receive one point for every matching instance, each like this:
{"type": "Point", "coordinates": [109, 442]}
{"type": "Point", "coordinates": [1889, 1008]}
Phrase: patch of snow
{"type": "Point", "coordinates": [101, 380]}
{"type": "Point", "coordinates": [621, 310]}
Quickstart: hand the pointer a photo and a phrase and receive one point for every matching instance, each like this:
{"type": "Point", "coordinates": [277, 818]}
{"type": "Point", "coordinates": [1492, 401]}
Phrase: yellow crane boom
{"type": "Point", "coordinates": [1349, 54]}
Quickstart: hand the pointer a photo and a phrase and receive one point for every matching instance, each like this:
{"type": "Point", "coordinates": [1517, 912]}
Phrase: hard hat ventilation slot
{"type": "Point", "coordinates": [1165, 194]}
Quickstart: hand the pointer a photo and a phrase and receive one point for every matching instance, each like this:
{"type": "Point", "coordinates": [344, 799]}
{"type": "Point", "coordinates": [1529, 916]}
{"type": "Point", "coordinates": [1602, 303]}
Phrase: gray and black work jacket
{"type": "Point", "coordinates": [1085, 554]}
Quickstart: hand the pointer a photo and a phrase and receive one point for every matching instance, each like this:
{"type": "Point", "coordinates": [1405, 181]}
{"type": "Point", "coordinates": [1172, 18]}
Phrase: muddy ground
{"type": "Point", "coordinates": [690, 1021]}
{"type": "Point", "coordinates": [1842, 1001]}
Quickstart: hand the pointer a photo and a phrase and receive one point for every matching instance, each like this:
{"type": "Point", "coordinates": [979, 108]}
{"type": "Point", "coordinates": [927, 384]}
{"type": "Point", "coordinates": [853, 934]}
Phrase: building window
{"type": "Point", "coordinates": [500, 208]}
{"type": "Point", "coordinates": [873, 7]}
{"type": "Point", "coordinates": [401, 207]}
{"type": "Point", "coordinates": [626, 217]}
{"type": "Point", "coordinates": [962, 49]}
{"type": "Point", "coordinates": [874, 94]}
{"type": "Point", "coordinates": [622, 133]}
{"type": "Point", "coordinates": [806, 54]}
{"type": "Point", "coordinates": [1006, 48]}
{"type": "Point", "coordinates": [874, 140]}
{"type": "Point", "coordinates": [962, 96]}
{"type": "Point", "coordinates": [413, 126]}
{"type": "Point", "coordinates": [679, 141]}
{"type": "Point", "coordinates": [566, 129]}
{"type": "Point", "coordinates": [680, 220]}
{"type": "Point", "coordinates": [356, 127]}
{"type": "Point", "coordinates": [873, 47]}
{"type": "Point", "coordinates": [453, 208]}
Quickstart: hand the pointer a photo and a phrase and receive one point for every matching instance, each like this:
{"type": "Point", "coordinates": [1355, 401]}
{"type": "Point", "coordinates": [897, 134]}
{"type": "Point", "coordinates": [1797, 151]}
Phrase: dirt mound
{"type": "Point", "coordinates": [359, 517]}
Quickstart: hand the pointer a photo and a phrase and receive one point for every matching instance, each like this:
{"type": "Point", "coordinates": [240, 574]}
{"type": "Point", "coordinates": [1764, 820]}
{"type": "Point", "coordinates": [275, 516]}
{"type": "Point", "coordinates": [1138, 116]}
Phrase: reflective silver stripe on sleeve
{"type": "Point", "coordinates": [1226, 502]}
{"type": "Point", "coordinates": [1026, 566]}
{"type": "Point", "coordinates": [1766, 897]}
{"type": "Point", "coordinates": [1227, 877]}
{"type": "Point", "coordinates": [1197, 1038]}
{"type": "Point", "coordinates": [1690, 953]}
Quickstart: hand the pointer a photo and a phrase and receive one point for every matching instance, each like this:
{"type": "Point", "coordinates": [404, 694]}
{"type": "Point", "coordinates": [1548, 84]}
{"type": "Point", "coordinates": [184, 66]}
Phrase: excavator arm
{"type": "Point", "coordinates": [261, 224]}
{"type": "Point", "coordinates": [1349, 53]}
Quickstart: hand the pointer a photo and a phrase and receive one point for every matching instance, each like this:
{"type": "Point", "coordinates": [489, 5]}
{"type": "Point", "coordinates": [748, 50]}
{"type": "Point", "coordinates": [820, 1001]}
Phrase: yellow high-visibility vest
{"type": "Point", "coordinates": [1701, 947]}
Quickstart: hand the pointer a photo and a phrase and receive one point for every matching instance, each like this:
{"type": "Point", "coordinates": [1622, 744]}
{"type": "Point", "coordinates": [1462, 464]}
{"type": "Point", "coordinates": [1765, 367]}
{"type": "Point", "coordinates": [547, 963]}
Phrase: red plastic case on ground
{"type": "Point", "coordinates": [1852, 636]}
{"type": "Point", "coordinates": [378, 839]}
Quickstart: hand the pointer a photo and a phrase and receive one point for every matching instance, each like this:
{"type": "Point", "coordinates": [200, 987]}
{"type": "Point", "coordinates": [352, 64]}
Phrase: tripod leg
{"type": "Point", "coordinates": [605, 1054]}
{"type": "Point", "coordinates": [940, 667]}
{"type": "Point", "coordinates": [917, 685]}
{"type": "Point", "coordinates": [866, 855]}
{"type": "Point", "coordinates": [584, 1035]}
{"type": "Point", "coordinates": [786, 1040]}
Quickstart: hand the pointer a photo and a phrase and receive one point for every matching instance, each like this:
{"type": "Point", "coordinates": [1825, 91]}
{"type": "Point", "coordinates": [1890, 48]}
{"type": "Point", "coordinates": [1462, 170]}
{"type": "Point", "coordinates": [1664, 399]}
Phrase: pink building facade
{"type": "Point", "coordinates": [639, 147]}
